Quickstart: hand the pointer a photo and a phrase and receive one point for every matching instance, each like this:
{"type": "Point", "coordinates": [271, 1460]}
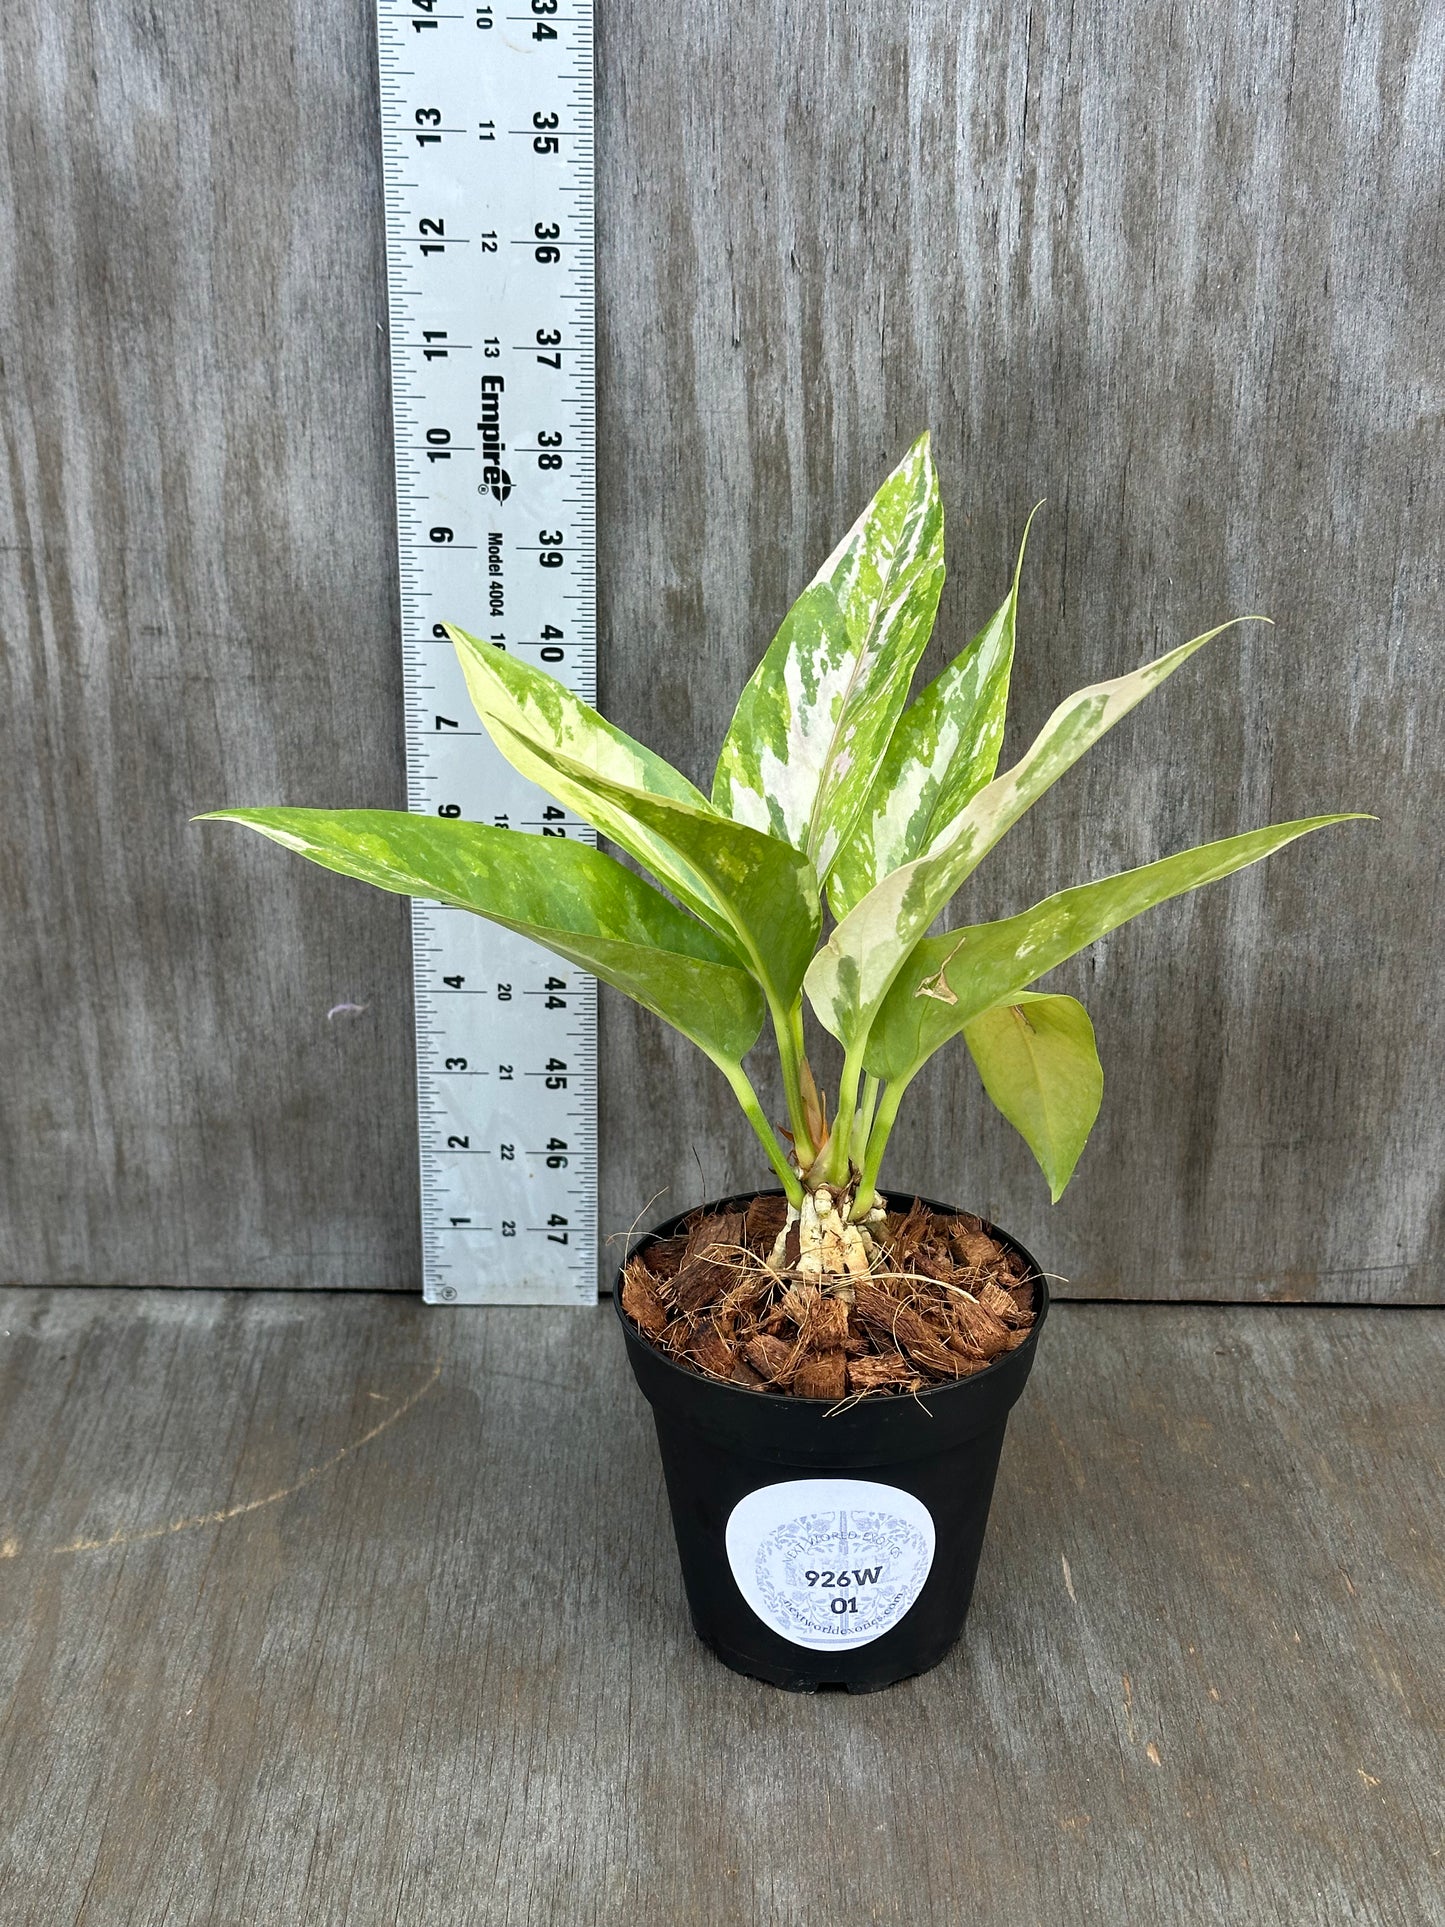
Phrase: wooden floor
{"type": "Point", "coordinates": [324, 1608]}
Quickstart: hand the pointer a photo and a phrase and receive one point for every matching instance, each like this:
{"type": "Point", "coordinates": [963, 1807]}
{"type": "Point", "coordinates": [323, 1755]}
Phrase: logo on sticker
{"type": "Point", "coordinates": [830, 1562]}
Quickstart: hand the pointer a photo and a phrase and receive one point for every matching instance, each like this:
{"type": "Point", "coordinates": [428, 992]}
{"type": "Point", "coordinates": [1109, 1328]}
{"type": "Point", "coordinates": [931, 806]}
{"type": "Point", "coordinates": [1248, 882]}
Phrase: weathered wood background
{"type": "Point", "coordinates": [1177, 268]}
{"type": "Point", "coordinates": [351, 1615]}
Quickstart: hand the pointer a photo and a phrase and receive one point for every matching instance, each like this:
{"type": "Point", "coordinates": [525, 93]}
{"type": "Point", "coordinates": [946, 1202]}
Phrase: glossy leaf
{"type": "Point", "coordinates": [1039, 1064]}
{"type": "Point", "coordinates": [567, 896]}
{"type": "Point", "coordinates": [826, 778]}
{"type": "Point", "coordinates": [854, 970]}
{"type": "Point", "coordinates": [951, 979]}
{"type": "Point", "coordinates": [943, 750]}
{"type": "Point", "coordinates": [536, 705]}
{"type": "Point", "coordinates": [812, 723]}
{"type": "Point", "coordinates": [760, 890]}
{"type": "Point", "coordinates": [541, 717]}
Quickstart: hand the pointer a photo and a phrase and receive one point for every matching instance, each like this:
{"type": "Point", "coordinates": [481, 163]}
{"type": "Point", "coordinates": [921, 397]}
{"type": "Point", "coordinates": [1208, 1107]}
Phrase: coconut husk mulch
{"type": "Point", "coordinates": [943, 1300]}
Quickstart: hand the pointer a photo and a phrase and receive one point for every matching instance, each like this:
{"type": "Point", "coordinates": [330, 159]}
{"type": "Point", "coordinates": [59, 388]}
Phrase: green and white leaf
{"type": "Point", "coordinates": [537, 706]}
{"type": "Point", "coordinates": [951, 979]}
{"type": "Point", "coordinates": [761, 893]}
{"type": "Point", "coordinates": [567, 896]}
{"type": "Point", "coordinates": [853, 972]}
{"type": "Point", "coordinates": [1040, 1065]}
{"type": "Point", "coordinates": [809, 729]}
{"type": "Point", "coordinates": [541, 716]}
{"type": "Point", "coordinates": [943, 750]}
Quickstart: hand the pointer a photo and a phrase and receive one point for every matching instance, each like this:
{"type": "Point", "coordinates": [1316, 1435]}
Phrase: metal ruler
{"type": "Point", "coordinates": [487, 150]}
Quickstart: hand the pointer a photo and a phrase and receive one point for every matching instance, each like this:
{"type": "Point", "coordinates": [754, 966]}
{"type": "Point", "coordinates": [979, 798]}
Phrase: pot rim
{"type": "Point", "coordinates": [685, 1375]}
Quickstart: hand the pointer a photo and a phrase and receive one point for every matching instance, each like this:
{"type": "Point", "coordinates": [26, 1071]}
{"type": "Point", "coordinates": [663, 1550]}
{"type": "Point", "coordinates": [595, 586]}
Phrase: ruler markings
{"type": "Point", "coordinates": [486, 150]}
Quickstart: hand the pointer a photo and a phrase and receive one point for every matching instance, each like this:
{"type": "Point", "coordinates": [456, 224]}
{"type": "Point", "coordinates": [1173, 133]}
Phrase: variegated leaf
{"type": "Point", "coordinates": [943, 750]}
{"type": "Point", "coordinates": [950, 979]}
{"type": "Point", "coordinates": [1040, 1065]}
{"type": "Point", "coordinates": [852, 973]}
{"type": "Point", "coordinates": [812, 723]}
{"type": "Point", "coordinates": [760, 891]}
{"type": "Point", "coordinates": [536, 705]}
{"type": "Point", "coordinates": [529, 715]}
{"type": "Point", "coordinates": [567, 896]}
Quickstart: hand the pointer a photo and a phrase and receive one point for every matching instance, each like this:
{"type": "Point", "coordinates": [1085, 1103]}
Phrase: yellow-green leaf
{"type": "Point", "coordinates": [853, 972]}
{"type": "Point", "coordinates": [531, 716]}
{"type": "Point", "coordinates": [1039, 1064]}
{"type": "Point", "coordinates": [759, 892]}
{"type": "Point", "coordinates": [950, 979]}
{"type": "Point", "coordinates": [570, 898]}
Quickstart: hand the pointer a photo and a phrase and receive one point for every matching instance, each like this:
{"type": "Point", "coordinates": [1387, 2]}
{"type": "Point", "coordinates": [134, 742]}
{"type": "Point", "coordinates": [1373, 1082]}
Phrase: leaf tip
{"type": "Point", "coordinates": [1023, 544]}
{"type": "Point", "coordinates": [463, 639]}
{"type": "Point", "coordinates": [922, 453]}
{"type": "Point", "coordinates": [1236, 622]}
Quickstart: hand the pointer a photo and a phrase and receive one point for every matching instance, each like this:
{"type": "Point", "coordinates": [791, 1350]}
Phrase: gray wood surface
{"type": "Point", "coordinates": [331, 1610]}
{"type": "Point", "coordinates": [1176, 268]}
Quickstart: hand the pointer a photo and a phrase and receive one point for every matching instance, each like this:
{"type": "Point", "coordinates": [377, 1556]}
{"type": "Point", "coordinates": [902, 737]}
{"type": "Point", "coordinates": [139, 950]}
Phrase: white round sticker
{"type": "Point", "coordinates": [830, 1562]}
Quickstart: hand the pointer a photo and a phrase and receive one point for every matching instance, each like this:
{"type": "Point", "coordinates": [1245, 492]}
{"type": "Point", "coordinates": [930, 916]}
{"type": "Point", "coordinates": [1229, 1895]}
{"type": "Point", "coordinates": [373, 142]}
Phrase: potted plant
{"type": "Point", "coordinates": [830, 1366]}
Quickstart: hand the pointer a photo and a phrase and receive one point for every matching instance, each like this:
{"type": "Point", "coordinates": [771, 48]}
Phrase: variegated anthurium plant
{"type": "Point", "coordinates": [831, 786]}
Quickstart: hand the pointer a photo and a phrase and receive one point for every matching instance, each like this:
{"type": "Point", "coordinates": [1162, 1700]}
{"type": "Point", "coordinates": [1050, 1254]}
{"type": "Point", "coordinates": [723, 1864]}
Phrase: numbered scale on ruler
{"type": "Point", "coordinates": [487, 146]}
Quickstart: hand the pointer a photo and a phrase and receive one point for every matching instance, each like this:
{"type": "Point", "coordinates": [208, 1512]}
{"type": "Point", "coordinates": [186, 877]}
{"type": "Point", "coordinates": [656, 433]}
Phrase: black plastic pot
{"type": "Point", "coordinates": [823, 1546]}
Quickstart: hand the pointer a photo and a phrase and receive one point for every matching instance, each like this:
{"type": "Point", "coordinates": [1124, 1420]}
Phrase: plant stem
{"type": "Point", "coordinates": [836, 1165]}
{"type": "Point", "coordinates": [788, 1029]}
{"type": "Point", "coordinates": [877, 1144]}
{"type": "Point", "coordinates": [865, 1110]}
{"type": "Point", "coordinates": [767, 1136]}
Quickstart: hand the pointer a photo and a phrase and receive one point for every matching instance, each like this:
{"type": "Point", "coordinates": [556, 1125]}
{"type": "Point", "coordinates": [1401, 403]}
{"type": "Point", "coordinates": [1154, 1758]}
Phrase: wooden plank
{"type": "Point", "coordinates": [198, 593]}
{"type": "Point", "coordinates": [362, 1615]}
{"type": "Point", "coordinates": [1177, 269]}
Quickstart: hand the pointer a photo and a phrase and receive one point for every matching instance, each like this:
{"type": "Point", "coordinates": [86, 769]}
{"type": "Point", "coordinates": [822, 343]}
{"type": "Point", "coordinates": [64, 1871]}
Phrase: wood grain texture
{"type": "Point", "coordinates": [197, 597]}
{"type": "Point", "coordinates": [432, 1663]}
{"type": "Point", "coordinates": [1177, 269]}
